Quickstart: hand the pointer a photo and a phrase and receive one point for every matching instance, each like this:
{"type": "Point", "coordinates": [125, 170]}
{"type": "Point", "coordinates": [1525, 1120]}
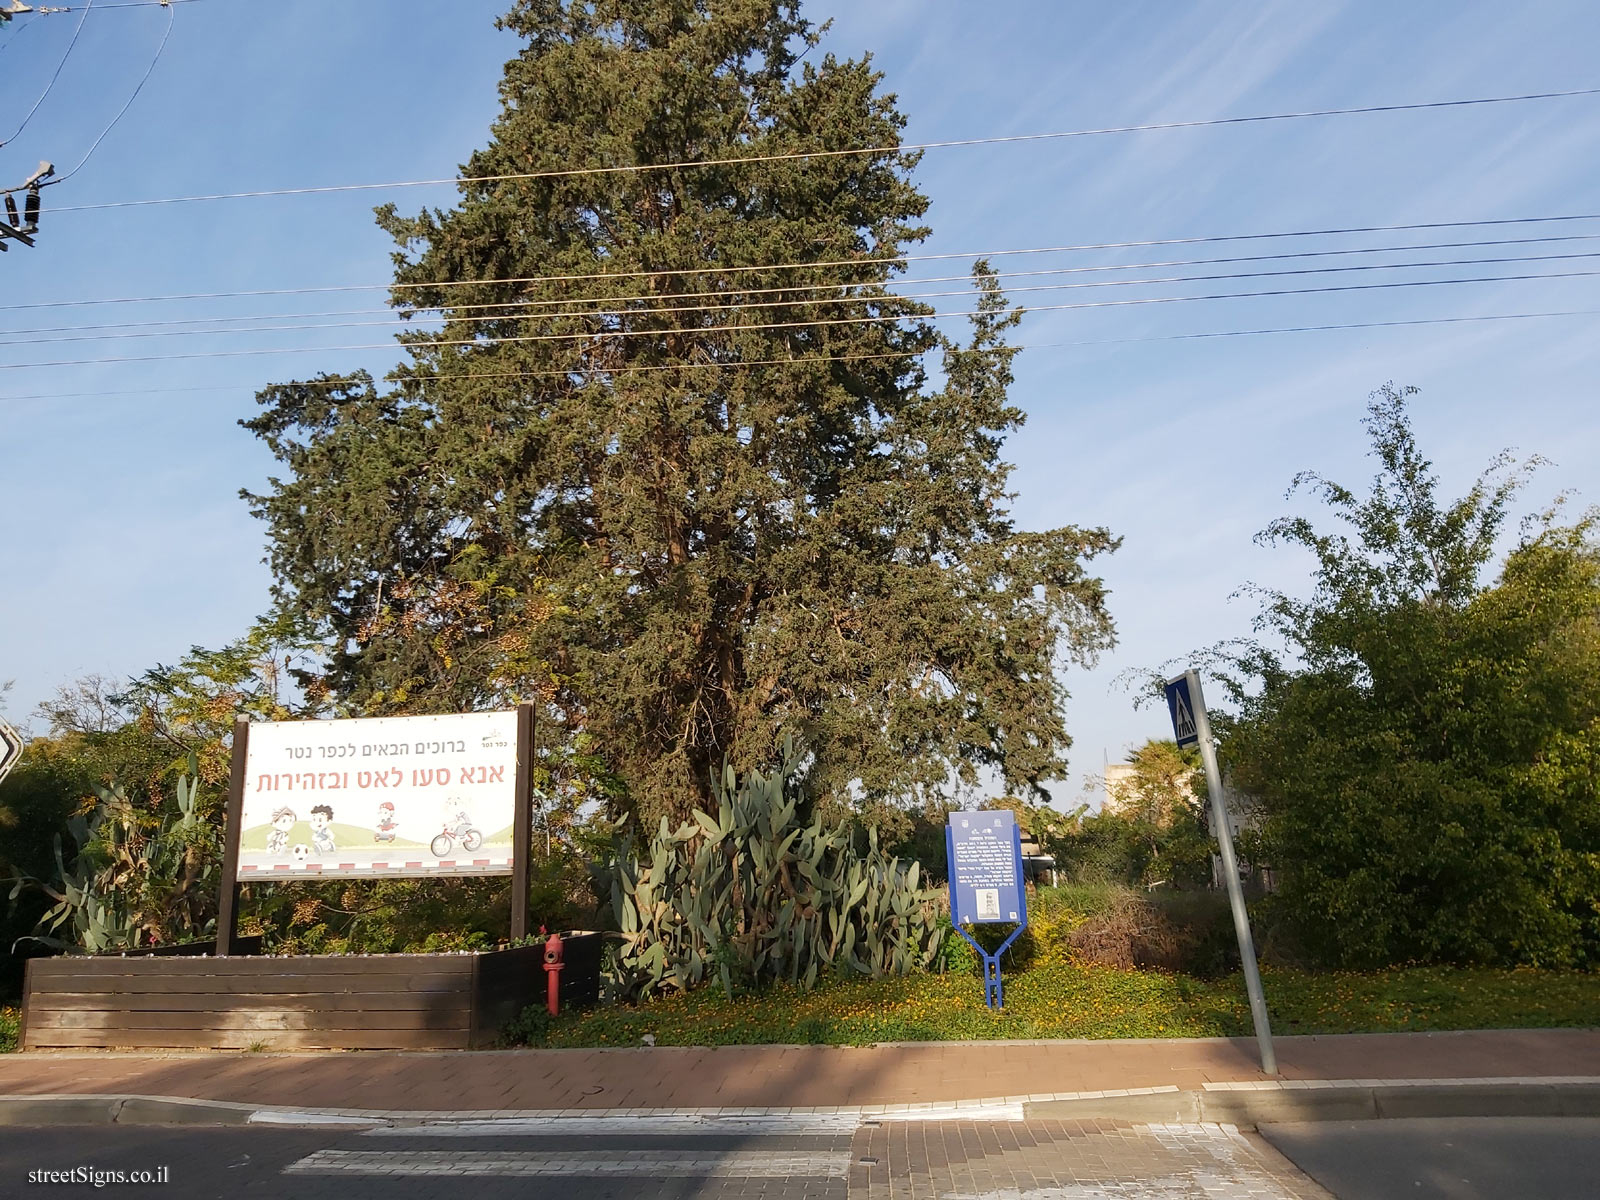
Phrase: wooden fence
{"type": "Point", "coordinates": [348, 1002]}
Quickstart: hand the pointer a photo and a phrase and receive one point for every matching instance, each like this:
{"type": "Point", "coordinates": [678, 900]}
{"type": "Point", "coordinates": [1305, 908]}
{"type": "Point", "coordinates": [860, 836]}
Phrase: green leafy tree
{"type": "Point", "coordinates": [1424, 740]}
{"type": "Point", "coordinates": [1164, 786]}
{"type": "Point", "coordinates": [682, 496]}
{"type": "Point", "coordinates": [1152, 830]}
{"type": "Point", "coordinates": [36, 800]}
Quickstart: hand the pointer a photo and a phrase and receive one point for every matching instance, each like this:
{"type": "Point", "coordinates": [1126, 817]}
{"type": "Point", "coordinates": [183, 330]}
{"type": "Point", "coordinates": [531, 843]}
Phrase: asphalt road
{"type": "Point", "coordinates": [1456, 1158]}
{"type": "Point", "coordinates": [343, 1164]}
{"type": "Point", "coordinates": [1050, 1160]}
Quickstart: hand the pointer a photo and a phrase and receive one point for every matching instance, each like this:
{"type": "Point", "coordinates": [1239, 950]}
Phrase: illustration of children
{"type": "Point", "coordinates": [278, 840]}
{"type": "Point", "coordinates": [386, 823]}
{"type": "Point", "coordinates": [321, 837]}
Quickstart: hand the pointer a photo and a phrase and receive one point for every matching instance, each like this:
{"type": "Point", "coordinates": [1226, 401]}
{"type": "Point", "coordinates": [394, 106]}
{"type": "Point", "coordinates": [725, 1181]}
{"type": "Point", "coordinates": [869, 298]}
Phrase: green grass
{"type": "Point", "coordinates": [344, 836]}
{"type": "Point", "coordinates": [1061, 1001]}
{"type": "Point", "coordinates": [10, 1028]}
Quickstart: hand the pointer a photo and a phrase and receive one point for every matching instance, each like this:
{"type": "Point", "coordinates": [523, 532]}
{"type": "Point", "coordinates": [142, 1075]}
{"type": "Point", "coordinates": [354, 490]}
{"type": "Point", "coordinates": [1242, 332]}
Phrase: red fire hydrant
{"type": "Point", "coordinates": [552, 967]}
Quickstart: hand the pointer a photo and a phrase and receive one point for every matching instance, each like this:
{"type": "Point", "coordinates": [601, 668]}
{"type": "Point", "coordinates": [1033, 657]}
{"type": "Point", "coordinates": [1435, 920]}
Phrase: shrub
{"type": "Point", "coordinates": [1113, 925]}
{"type": "Point", "coordinates": [753, 895]}
{"type": "Point", "coordinates": [530, 1027]}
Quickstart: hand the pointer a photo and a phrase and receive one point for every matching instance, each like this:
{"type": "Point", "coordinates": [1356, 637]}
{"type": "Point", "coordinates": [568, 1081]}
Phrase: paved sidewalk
{"type": "Point", "coordinates": [785, 1077]}
{"type": "Point", "coordinates": [1070, 1160]}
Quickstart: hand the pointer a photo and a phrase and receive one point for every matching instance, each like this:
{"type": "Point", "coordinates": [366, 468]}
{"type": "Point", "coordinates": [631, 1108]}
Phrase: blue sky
{"type": "Point", "coordinates": [124, 541]}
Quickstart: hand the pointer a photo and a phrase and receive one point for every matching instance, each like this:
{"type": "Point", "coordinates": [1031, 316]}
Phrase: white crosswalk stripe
{"type": "Point", "coordinates": [659, 1164]}
{"type": "Point", "coordinates": [630, 1126]}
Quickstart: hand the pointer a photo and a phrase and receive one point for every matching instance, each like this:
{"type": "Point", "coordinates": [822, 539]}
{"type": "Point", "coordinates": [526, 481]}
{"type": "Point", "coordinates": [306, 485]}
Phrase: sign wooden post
{"type": "Point", "coordinates": [522, 831]}
{"type": "Point", "coordinates": [228, 902]}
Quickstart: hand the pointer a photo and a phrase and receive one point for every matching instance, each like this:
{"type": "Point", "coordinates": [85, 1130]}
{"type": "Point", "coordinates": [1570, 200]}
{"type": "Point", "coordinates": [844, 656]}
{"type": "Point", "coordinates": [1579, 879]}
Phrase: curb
{"type": "Point", "coordinates": [1335, 1100]}
{"type": "Point", "coordinates": [120, 1110]}
{"type": "Point", "coordinates": [1242, 1104]}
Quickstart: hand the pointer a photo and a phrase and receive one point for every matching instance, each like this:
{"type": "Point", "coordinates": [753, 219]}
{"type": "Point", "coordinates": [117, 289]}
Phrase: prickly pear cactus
{"type": "Point", "coordinates": [751, 894]}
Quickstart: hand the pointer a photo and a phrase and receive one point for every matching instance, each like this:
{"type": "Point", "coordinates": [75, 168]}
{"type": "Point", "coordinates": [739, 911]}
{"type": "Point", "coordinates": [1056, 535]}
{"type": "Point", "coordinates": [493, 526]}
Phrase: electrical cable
{"type": "Point", "coordinates": [17, 31]}
{"type": "Point", "coordinates": [409, 316]}
{"type": "Point", "coordinates": [878, 298]}
{"type": "Point", "coordinates": [64, 8]}
{"type": "Point", "coordinates": [160, 49]}
{"type": "Point", "coordinates": [1034, 346]}
{"type": "Point", "coordinates": [612, 335]}
{"type": "Point", "coordinates": [60, 66]}
{"type": "Point", "coordinates": [806, 155]}
{"type": "Point", "coordinates": [860, 261]}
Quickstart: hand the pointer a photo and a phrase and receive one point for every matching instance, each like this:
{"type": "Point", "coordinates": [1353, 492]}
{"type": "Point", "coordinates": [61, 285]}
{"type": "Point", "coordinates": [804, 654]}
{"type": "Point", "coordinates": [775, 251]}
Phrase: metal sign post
{"type": "Point", "coordinates": [1190, 725]}
{"type": "Point", "coordinates": [983, 851]}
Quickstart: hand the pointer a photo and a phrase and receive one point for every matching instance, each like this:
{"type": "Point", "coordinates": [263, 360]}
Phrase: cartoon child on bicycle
{"type": "Point", "coordinates": [457, 828]}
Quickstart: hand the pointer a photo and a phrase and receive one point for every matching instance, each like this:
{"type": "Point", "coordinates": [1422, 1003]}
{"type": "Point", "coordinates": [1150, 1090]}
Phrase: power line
{"type": "Point", "coordinates": [49, 87]}
{"type": "Point", "coordinates": [501, 306]}
{"type": "Point", "coordinates": [866, 151]}
{"type": "Point", "coordinates": [859, 261]}
{"type": "Point", "coordinates": [732, 364]}
{"type": "Point", "coordinates": [139, 87]}
{"type": "Point", "coordinates": [17, 32]}
{"type": "Point", "coordinates": [1397, 324]}
{"type": "Point", "coordinates": [611, 335]}
{"type": "Point", "coordinates": [66, 8]}
{"type": "Point", "coordinates": [672, 310]}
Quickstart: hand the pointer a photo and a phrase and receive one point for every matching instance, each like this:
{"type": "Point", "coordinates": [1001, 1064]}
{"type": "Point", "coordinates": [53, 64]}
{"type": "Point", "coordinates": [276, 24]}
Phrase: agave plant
{"type": "Point", "coordinates": [133, 882]}
{"type": "Point", "coordinates": [753, 894]}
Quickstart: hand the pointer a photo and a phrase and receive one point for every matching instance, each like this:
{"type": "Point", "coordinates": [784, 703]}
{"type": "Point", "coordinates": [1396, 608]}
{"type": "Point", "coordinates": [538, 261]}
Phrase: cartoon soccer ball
{"type": "Point", "coordinates": [300, 853]}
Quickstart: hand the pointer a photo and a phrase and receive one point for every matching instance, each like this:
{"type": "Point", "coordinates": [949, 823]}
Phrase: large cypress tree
{"type": "Point", "coordinates": [682, 491]}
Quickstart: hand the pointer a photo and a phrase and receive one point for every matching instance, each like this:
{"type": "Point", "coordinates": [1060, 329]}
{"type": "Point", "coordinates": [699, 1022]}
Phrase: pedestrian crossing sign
{"type": "Point", "coordinates": [1180, 702]}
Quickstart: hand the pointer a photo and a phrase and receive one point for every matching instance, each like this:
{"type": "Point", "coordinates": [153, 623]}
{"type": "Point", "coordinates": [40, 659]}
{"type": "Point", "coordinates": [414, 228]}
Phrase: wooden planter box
{"type": "Point", "coordinates": [332, 1002]}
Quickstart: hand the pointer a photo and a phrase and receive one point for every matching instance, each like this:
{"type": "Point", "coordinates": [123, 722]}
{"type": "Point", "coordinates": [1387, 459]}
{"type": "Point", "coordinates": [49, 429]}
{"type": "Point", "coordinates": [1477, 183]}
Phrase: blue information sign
{"type": "Point", "coordinates": [985, 868]}
{"type": "Point", "coordinates": [984, 853]}
{"type": "Point", "coordinates": [1180, 703]}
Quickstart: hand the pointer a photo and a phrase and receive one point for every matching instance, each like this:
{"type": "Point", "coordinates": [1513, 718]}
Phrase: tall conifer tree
{"type": "Point", "coordinates": [656, 475]}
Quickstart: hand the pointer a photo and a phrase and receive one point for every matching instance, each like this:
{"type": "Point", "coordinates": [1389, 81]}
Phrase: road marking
{"type": "Point", "coordinates": [305, 1118]}
{"type": "Point", "coordinates": [675, 1123]}
{"type": "Point", "coordinates": [953, 1112]}
{"type": "Point", "coordinates": [659, 1164]}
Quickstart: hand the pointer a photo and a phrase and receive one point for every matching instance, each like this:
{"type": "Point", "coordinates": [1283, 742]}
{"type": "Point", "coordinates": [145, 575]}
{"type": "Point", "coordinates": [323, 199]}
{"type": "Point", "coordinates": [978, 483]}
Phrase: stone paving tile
{"type": "Point", "coordinates": [1069, 1160]}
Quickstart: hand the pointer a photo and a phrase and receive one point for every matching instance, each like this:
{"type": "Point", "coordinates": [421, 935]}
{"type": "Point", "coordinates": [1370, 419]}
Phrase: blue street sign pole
{"type": "Point", "coordinates": [986, 885]}
{"type": "Point", "coordinates": [1191, 726]}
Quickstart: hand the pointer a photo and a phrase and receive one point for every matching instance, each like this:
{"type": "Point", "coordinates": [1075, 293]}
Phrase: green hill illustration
{"type": "Point", "coordinates": [344, 836]}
